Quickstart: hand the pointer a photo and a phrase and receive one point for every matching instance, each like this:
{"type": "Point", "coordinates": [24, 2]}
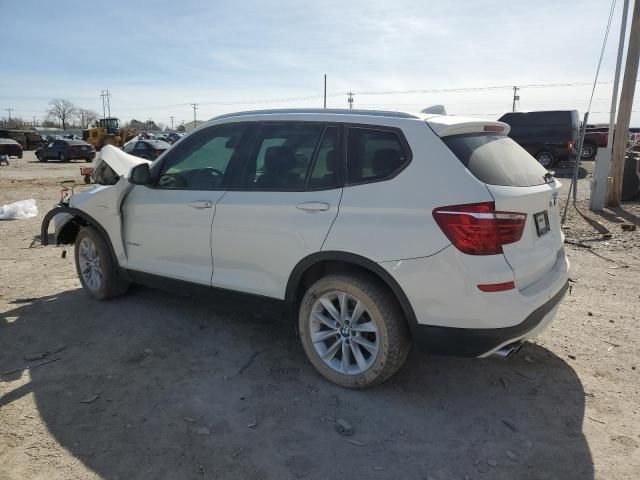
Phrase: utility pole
{"type": "Point", "coordinates": [325, 90]}
{"type": "Point", "coordinates": [171, 123]}
{"type": "Point", "coordinates": [106, 104]}
{"type": "Point", "coordinates": [195, 107]}
{"type": "Point", "coordinates": [350, 100]}
{"type": "Point", "coordinates": [603, 157]}
{"type": "Point", "coordinates": [618, 151]}
{"type": "Point", "coordinates": [516, 97]}
{"type": "Point", "coordinates": [9, 110]}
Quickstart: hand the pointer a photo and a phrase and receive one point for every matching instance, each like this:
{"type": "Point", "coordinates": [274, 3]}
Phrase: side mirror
{"type": "Point", "coordinates": [140, 175]}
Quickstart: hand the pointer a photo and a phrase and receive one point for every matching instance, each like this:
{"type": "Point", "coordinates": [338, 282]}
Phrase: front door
{"type": "Point", "coordinates": [281, 211]}
{"type": "Point", "coordinates": [167, 227]}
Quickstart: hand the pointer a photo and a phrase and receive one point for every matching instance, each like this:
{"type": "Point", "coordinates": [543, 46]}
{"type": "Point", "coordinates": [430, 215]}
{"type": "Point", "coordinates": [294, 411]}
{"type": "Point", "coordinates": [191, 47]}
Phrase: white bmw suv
{"type": "Point", "coordinates": [376, 230]}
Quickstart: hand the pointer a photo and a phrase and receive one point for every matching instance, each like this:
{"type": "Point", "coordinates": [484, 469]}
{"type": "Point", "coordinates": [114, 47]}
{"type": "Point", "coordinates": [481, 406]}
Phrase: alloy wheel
{"type": "Point", "coordinates": [90, 265]}
{"type": "Point", "coordinates": [545, 159]}
{"type": "Point", "coordinates": [343, 333]}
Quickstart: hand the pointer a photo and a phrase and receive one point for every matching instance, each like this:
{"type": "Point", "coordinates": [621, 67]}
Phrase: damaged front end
{"type": "Point", "coordinates": [98, 206]}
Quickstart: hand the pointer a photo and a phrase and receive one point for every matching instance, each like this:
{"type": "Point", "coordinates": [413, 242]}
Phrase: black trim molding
{"type": "Point", "coordinates": [474, 342]}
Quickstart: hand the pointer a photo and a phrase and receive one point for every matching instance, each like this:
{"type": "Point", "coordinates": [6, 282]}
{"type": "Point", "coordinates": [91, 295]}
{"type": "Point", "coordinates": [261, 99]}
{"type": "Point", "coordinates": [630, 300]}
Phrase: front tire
{"type": "Point", "coordinates": [353, 330]}
{"type": "Point", "coordinates": [96, 267]}
{"type": "Point", "coordinates": [62, 157]}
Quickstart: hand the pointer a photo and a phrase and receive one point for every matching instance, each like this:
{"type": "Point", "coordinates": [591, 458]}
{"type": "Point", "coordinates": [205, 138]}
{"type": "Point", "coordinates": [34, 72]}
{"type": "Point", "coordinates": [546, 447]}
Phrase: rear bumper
{"type": "Point", "coordinates": [453, 317]}
{"type": "Point", "coordinates": [480, 342]}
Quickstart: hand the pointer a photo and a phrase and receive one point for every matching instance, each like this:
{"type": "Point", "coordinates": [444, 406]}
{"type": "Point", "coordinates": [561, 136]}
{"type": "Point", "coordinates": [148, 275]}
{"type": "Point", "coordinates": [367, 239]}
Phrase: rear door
{"type": "Point", "coordinates": [280, 211]}
{"type": "Point", "coordinates": [518, 183]}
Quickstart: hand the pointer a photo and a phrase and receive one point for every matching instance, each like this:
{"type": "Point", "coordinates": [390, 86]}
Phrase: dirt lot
{"type": "Point", "coordinates": [157, 386]}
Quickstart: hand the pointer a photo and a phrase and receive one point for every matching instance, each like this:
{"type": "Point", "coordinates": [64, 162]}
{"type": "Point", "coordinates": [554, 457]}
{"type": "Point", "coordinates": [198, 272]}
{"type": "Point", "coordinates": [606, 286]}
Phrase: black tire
{"type": "Point", "coordinates": [62, 157]}
{"type": "Point", "coordinates": [111, 282]}
{"type": "Point", "coordinates": [546, 158]}
{"type": "Point", "coordinates": [383, 310]}
{"type": "Point", "coordinates": [589, 150]}
{"type": "Point", "coordinates": [87, 160]}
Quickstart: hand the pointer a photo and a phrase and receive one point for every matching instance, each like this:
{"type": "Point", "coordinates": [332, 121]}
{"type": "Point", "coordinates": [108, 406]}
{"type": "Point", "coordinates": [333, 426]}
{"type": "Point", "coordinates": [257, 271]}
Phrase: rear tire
{"type": "Point", "coordinates": [96, 267]}
{"type": "Point", "coordinates": [546, 158]}
{"type": "Point", "coordinates": [589, 151]}
{"type": "Point", "coordinates": [353, 350]}
{"type": "Point", "coordinates": [62, 157]}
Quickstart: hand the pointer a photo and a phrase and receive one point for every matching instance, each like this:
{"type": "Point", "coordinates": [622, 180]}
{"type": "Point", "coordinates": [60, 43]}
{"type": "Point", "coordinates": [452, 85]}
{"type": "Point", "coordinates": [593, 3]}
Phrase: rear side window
{"type": "Point", "coordinates": [373, 155]}
{"type": "Point", "coordinates": [496, 160]}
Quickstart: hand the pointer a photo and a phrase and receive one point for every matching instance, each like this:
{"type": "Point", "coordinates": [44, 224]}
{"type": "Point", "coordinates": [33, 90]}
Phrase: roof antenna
{"type": "Point", "coordinates": [435, 109]}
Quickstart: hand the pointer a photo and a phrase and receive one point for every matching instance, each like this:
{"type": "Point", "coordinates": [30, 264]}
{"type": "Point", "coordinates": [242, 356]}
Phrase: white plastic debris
{"type": "Point", "coordinates": [19, 210]}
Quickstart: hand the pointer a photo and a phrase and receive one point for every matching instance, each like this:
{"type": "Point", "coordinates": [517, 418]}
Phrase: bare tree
{"type": "Point", "coordinates": [63, 110]}
{"type": "Point", "coordinates": [86, 117]}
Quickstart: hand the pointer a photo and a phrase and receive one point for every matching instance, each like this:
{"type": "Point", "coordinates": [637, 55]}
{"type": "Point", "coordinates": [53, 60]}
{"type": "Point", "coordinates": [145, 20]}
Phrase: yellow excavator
{"type": "Point", "coordinates": [107, 131]}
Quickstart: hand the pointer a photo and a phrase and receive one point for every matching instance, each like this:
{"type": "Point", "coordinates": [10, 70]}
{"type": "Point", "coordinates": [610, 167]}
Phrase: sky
{"type": "Point", "coordinates": [157, 57]}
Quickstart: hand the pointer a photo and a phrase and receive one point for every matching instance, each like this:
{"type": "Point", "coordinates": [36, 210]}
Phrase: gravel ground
{"type": "Point", "coordinates": [152, 385]}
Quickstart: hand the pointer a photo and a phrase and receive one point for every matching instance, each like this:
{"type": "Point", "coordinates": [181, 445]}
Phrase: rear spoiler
{"type": "Point", "coordinates": [446, 125]}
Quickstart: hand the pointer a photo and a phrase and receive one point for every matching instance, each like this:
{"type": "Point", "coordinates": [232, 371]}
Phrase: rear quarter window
{"type": "Point", "coordinates": [496, 160]}
{"type": "Point", "coordinates": [374, 155]}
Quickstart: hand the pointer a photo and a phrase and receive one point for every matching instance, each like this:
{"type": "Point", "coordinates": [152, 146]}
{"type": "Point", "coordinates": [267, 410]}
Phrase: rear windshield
{"type": "Point", "coordinates": [496, 160]}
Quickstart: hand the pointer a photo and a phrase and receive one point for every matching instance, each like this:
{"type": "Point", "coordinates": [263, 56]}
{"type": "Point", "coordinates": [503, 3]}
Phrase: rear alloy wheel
{"type": "Point", "coordinates": [589, 150]}
{"type": "Point", "coordinates": [352, 330]}
{"type": "Point", "coordinates": [546, 159]}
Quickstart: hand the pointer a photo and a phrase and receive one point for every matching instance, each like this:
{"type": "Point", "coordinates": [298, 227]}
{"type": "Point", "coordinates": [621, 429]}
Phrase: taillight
{"type": "Point", "coordinates": [478, 229]}
{"type": "Point", "coordinates": [570, 145]}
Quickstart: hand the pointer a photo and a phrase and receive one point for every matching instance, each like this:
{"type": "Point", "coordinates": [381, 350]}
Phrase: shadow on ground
{"type": "Point", "coordinates": [188, 390]}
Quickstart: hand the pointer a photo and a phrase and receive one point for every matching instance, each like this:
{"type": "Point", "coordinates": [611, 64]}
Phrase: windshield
{"type": "Point", "coordinates": [497, 160]}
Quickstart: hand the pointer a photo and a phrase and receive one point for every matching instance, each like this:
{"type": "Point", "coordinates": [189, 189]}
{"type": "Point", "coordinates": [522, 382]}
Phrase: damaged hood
{"type": "Point", "coordinates": [120, 162]}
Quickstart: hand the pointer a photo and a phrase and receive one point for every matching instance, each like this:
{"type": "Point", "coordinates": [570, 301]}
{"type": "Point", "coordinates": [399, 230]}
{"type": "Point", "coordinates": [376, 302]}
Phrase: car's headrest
{"type": "Point", "coordinates": [279, 159]}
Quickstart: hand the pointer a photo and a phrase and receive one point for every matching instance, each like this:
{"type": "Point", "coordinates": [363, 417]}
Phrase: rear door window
{"type": "Point", "coordinates": [497, 160]}
{"type": "Point", "coordinates": [282, 156]}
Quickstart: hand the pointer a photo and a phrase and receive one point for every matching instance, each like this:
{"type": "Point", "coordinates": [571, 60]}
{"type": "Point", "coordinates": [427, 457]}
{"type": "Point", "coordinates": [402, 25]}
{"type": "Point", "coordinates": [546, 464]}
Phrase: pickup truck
{"type": "Point", "coordinates": [594, 138]}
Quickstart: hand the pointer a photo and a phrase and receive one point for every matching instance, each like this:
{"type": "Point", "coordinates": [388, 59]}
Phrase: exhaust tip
{"type": "Point", "coordinates": [508, 350]}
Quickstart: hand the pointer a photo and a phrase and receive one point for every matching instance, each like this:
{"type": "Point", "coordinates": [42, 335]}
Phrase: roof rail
{"type": "Point", "coordinates": [331, 111]}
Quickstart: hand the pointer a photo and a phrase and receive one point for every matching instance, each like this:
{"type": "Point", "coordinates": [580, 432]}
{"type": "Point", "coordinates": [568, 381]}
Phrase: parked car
{"type": "Point", "coordinates": [10, 147]}
{"type": "Point", "coordinates": [547, 135]}
{"type": "Point", "coordinates": [374, 230]}
{"type": "Point", "coordinates": [66, 150]}
{"type": "Point", "coordinates": [594, 138]}
{"type": "Point", "coordinates": [147, 149]}
{"type": "Point", "coordinates": [173, 137]}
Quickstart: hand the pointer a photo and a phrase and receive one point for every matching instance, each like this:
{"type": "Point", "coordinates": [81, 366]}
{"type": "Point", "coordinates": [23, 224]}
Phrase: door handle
{"type": "Point", "coordinates": [201, 204]}
{"type": "Point", "coordinates": [313, 206]}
